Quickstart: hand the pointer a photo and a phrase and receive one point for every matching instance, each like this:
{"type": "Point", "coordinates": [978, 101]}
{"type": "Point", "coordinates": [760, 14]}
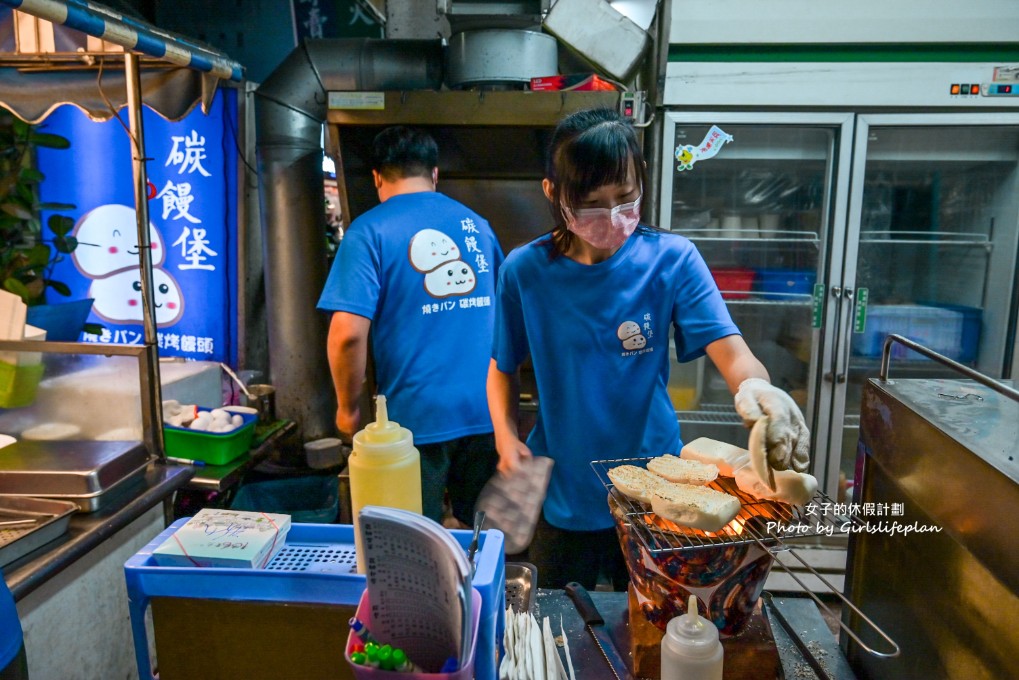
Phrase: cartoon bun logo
{"type": "Point", "coordinates": [118, 297]}
{"type": "Point", "coordinates": [452, 278]}
{"type": "Point", "coordinates": [437, 257]}
{"type": "Point", "coordinates": [630, 335]}
{"type": "Point", "coordinates": [107, 253]}
{"type": "Point", "coordinates": [429, 248]}
{"type": "Point", "coordinates": [108, 241]}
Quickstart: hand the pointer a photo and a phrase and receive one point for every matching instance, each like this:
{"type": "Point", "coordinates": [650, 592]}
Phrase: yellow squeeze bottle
{"type": "Point", "coordinates": [385, 469]}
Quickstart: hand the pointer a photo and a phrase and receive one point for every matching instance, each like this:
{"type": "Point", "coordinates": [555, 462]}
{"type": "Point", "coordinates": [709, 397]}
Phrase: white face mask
{"type": "Point", "coordinates": [605, 228]}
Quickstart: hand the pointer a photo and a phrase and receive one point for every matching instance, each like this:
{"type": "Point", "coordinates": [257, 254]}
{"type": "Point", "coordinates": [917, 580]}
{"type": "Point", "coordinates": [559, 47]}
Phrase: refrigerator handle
{"type": "Point", "coordinates": [836, 293]}
{"type": "Point", "coordinates": [841, 373]}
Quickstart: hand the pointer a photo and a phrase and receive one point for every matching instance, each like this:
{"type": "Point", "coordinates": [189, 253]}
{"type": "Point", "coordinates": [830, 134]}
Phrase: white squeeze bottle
{"type": "Point", "coordinates": [385, 469]}
{"type": "Point", "coordinates": [691, 649]}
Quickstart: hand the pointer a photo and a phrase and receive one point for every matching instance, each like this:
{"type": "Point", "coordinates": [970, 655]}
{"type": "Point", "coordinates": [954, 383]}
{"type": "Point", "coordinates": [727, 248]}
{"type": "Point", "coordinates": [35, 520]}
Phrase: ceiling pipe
{"type": "Point", "coordinates": [290, 108]}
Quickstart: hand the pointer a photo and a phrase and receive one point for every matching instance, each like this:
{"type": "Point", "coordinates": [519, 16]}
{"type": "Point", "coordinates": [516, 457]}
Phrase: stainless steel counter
{"type": "Point", "coordinates": [87, 531]}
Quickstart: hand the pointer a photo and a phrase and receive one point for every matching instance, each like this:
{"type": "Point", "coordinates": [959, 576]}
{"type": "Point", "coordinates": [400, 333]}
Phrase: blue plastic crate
{"type": "Point", "coordinates": [775, 284]}
{"type": "Point", "coordinates": [314, 566]}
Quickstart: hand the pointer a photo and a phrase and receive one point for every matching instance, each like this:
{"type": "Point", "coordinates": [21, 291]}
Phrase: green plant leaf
{"type": "Point", "coordinates": [93, 329]}
{"type": "Point", "coordinates": [12, 285]}
{"type": "Point", "coordinates": [57, 206]}
{"type": "Point", "coordinates": [31, 175]}
{"type": "Point", "coordinates": [20, 127]}
{"type": "Point", "coordinates": [17, 210]}
{"type": "Point", "coordinates": [38, 255]}
{"type": "Point", "coordinates": [60, 287]}
{"type": "Point", "coordinates": [65, 244]}
{"type": "Point", "coordinates": [49, 141]}
{"type": "Point", "coordinates": [60, 225]}
{"type": "Point", "coordinates": [26, 193]}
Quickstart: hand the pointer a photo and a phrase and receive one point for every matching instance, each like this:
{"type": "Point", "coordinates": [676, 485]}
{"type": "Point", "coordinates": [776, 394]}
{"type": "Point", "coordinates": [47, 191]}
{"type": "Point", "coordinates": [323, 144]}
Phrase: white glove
{"type": "Point", "coordinates": [787, 439]}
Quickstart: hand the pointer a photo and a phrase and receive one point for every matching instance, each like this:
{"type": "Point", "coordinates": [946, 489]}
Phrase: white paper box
{"type": "Point", "coordinates": [225, 539]}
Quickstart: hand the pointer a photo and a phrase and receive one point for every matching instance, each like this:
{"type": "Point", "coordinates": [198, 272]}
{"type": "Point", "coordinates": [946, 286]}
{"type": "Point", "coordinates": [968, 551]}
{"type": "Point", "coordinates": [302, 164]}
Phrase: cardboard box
{"type": "Point", "coordinates": [225, 539]}
{"type": "Point", "coordinates": [577, 82]}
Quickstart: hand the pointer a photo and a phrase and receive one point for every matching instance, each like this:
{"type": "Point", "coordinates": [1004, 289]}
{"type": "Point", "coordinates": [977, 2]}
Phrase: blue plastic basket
{"type": "Point", "coordinates": [775, 284]}
{"type": "Point", "coordinates": [314, 566]}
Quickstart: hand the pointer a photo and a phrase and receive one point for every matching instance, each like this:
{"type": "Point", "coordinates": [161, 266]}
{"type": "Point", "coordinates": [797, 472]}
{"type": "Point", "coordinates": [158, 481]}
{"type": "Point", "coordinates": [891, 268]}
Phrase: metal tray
{"type": "Point", "coordinates": [521, 586]}
{"type": "Point", "coordinates": [85, 472]}
{"type": "Point", "coordinates": [52, 516]}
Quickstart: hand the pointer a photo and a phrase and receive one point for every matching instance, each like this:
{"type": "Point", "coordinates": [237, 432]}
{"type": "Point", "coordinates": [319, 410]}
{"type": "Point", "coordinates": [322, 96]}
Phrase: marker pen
{"type": "Point", "coordinates": [361, 630]}
{"type": "Point", "coordinates": [185, 461]}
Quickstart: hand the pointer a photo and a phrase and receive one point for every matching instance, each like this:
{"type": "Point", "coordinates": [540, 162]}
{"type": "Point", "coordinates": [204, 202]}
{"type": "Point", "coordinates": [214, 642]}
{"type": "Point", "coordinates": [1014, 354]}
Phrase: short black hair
{"type": "Point", "coordinates": [589, 149]}
{"type": "Point", "coordinates": [399, 152]}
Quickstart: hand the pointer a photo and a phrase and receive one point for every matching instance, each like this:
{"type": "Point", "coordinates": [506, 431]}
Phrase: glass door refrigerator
{"type": "Point", "coordinates": [931, 254]}
{"type": "Point", "coordinates": [763, 196]}
{"type": "Point", "coordinates": [827, 231]}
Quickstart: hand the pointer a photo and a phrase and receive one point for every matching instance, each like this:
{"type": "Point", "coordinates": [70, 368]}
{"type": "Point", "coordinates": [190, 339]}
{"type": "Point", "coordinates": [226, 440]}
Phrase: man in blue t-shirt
{"type": "Point", "coordinates": [418, 271]}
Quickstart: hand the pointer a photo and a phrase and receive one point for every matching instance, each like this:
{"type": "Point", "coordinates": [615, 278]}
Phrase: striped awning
{"type": "Point", "coordinates": [133, 34]}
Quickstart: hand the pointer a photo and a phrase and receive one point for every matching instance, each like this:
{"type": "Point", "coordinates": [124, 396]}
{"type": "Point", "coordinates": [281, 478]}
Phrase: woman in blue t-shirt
{"type": "Point", "coordinates": [591, 303]}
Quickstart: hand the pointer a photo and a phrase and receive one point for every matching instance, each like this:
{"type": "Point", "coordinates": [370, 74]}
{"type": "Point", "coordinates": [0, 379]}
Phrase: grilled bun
{"type": "Point", "coordinates": [635, 482]}
{"type": "Point", "coordinates": [694, 506]}
{"type": "Point", "coordinates": [681, 471]}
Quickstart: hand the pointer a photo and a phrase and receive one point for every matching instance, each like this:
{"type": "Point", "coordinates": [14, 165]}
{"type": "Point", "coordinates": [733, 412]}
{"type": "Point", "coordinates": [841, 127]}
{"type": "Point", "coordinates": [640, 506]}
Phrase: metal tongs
{"type": "Point", "coordinates": [479, 521]}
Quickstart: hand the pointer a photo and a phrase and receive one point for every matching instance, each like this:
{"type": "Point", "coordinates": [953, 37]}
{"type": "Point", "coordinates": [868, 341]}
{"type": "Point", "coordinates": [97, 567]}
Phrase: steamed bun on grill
{"type": "Point", "coordinates": [726, 457]}
{"type": "Point", "coordinates": [676, 469]}
{"type": "Point", "coordinates": [694, 506]}
{"type": "Point", "coordinates": [794, 488]}
{"type": "Point", "coordinates": [635, 482]}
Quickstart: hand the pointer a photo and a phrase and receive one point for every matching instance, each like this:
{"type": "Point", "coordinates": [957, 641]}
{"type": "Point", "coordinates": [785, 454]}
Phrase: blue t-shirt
{"type": "Point", "coordinates": [598, 337]}
{"type": "Point", "coordinates": [423, 268]}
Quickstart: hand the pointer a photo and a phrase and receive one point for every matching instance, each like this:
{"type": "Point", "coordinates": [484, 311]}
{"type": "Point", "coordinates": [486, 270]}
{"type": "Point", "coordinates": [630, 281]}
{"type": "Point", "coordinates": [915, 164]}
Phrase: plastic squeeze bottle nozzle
{"type": "Point", "coordinates": [691, 649]}
{"type": "Point", "coordinates": [385, 469]}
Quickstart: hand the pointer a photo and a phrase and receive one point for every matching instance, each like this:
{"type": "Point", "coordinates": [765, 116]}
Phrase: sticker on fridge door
{"type": "Point", "coordinates": [688, 154]}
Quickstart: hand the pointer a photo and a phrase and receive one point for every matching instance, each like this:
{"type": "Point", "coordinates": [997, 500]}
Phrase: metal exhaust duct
{"type": "Point", "coordinates": [290, 108]}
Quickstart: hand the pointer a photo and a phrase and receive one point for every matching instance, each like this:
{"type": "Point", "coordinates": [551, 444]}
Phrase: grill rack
{"type": "Point", "coordinates": [749, 526]}
{"type": "Point", "coordinates": [752, 519]}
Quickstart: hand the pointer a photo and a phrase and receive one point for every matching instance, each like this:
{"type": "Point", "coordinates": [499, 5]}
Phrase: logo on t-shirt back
{"type": "Point", "coordinates": [437, 257]}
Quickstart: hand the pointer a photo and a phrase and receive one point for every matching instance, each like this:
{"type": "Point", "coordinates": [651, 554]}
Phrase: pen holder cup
{"type": "Point", "coordinates": [466, 671]}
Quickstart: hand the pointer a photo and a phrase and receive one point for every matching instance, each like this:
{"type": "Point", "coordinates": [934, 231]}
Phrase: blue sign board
{"type": "Point", "coordinates": [192, 172]}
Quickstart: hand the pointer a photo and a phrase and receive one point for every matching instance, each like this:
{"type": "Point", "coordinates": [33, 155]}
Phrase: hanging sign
{"type": "Point", "coordinates": [688, 154]}
{"type": "Point", "coordinates": [192, 189]}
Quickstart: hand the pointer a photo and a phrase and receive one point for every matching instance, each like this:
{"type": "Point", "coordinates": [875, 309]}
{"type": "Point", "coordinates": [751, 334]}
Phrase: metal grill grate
{"type": "Point", "coordinates": [751, 525]}
{"type": "Point", "coordinates": [766, 523]}
{"type": "Point", "coordinates": [328, 558]}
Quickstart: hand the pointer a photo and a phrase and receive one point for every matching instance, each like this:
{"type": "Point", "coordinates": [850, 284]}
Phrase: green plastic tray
{"type": "Point", "coordinates": [214, 448]}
